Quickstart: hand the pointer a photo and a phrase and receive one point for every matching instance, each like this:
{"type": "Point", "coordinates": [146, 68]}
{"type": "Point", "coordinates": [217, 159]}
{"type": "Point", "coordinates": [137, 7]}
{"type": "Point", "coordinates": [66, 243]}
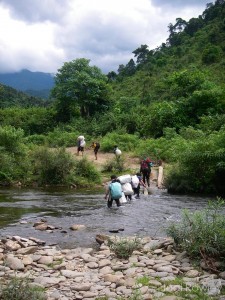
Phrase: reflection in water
{"type": "Point", "coordinates": [149, 215]}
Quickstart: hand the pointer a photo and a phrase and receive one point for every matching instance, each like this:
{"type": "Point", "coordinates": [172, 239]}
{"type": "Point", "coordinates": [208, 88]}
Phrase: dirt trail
{"type": "Point", "coordinates": [131, 163]}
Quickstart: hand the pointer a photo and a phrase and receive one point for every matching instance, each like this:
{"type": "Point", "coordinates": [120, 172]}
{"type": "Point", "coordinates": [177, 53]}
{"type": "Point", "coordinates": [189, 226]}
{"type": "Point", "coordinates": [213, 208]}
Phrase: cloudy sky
{"type": "Point", "coordinates": [40, 35]}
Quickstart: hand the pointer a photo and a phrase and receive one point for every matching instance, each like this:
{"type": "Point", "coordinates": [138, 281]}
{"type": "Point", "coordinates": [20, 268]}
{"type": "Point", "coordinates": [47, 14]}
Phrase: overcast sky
{"type": "Point", "coordinates": [40, 35]}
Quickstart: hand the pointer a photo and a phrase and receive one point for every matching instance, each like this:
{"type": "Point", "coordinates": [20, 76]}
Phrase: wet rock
{"type": "Point", "coordinates": [77, 227]}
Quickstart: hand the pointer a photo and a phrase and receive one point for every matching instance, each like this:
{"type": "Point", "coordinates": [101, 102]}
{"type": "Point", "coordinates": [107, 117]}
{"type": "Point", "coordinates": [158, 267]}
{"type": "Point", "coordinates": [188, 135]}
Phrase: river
{"type": "Point", "coordinates": [147, 216]}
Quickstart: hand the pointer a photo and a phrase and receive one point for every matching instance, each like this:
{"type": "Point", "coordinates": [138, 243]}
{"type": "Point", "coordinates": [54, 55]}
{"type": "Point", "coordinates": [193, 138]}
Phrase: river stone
{"type": "Point", "coordinates": [152, 245]}
{"type": "Point", "coordinates": [81, 286]}
{"type": "Point", "coordinates": [27, 260]}
{"type": "Point", "coordinates": [46, 260]}
{"type": "Point", "coordinates": [47, 281]}
{"type": "Point", "coordinates": [12, 246]}
{"type": "Point", "coordinates": [104, 262]}
{"type": "Point", "coordinates": [56, 295]}
{"type": "Point", "coordinates": [155, 283]}
{"type": "Point", "coordinates": [192, 273]}
{"type": "Point", "coordinates": [222, 275]}
{"type": "Point", "coordinates": [27, 250]}
{"type": "Point", "coordinates": [104, 253]}
{"type": "Point", "coordinates": [41, 227]}
{"type": "Point", "coordinates": [169, 257]}
{"type": "Point", "coordinates": [105, 270]}
{"type": "Point", "coordinates": [123, 290]}
{"type": "Point", "coordinates": [157, 251]}
{"type": "Point", "coordinates": [14, 263]}
{"type": "Point", "coordinates": [133, 259]}
{"type": "Point", "coordinates": [111, 278]}
{"type": "Point", "coordinates": [92, 265]}
{"type": "Point", "coordinates": [165, 269]}
{"type": "Point", "coordinates": [147, 297]}
{"type": "Point", "coordinates": [89, 295]}
{"type": "Point", "coordinates": [159, 274]}
{"type": "Point", "coordinates": [77, 227]}
{"type": "Point", "coordinates": [88, 258]}
{"type": "Point", "coordinates": [130, 272]}
{"type": "Point", "coordinates": [71, 274]}
{"type": "Point", "coordinates": [168, 278]}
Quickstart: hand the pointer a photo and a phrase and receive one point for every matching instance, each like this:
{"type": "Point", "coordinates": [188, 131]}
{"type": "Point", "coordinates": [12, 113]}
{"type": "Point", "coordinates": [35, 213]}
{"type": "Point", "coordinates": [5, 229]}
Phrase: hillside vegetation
{"type": "Point", "coordinates": [167, 103]}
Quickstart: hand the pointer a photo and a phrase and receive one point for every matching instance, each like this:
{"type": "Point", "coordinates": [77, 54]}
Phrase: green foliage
{"type": "Point", "coordinates": [117, 164]}
{"type": "Point", "coordinates": [11, 139]}
{"type": "Point", "coordinates": [61, 138]}
{"type": "Point", "coordinates": [33, 120]}
{"type": "Point", "coordinates": [201, 233]}
{"type": "Point", "coordinates": [19, 289]}
{"type": "Point", "coordinates": [201, 166]}
{"type": "Point", "coordinates": [124, 247]}
{"type": "Point", "coordinates": [212, 54]}
{"type": "Point", "coordinates": [80, 89]}
{"type": "Point", "coordinates": [85, 173]}
{"type": "Point", "coordinates": [10, 97]}
{"type": "Point", "coordinates": [13, 155]}
{"type": "Point", "coordinates": [36, 139]}
{"type": "Point", "coordinates": [52, 166]}
{"type": "Point", "coordinates": [125, 141]}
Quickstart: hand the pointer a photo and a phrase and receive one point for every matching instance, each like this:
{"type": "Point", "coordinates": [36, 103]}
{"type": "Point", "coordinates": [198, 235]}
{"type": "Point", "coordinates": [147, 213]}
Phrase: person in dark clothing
{"type": "Point", "coordinates": [95, 146]}
{"type": "Point", "coordinates": [136, 187]}
{"type": "Point", "coordinates": [113, 191]}
{"type": "Point", "coordinates": [145, 170]}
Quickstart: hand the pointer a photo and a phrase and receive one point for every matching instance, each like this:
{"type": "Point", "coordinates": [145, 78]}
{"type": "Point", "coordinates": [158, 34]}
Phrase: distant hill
{"type": "Point", "coordinates": [36, 84]}
{"type": "Point", "coordinates": [10, 97]}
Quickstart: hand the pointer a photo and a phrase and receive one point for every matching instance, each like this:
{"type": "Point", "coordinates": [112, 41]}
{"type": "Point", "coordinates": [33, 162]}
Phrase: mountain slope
{"type": "Point", "coordinates": [36, 84]}
{"type": "Point", "coordinates": [10, 97]}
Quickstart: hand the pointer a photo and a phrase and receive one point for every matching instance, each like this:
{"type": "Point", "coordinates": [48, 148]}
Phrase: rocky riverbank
{"type": "Point", "coordinates": [156, 271]}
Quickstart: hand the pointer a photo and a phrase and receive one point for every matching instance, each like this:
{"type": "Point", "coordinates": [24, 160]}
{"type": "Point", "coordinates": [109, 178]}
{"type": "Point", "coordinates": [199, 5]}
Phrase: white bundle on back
{"type": "Point", "coordinates": [80, 138]}
{"type": "Point", "coordinates": [124, 179]}
{"type": "Point", "coordinates": [118, 152]}
{"type": "Point", "coordinates": [127, 189]}
{"type": "Point", "coordinates": [135, 181]}
{"type": "Point", "coordinates": [82, 143]}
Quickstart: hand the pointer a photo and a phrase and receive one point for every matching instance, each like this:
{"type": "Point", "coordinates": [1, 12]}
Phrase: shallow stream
{"type": "Point", "coordinates": [147, 216]}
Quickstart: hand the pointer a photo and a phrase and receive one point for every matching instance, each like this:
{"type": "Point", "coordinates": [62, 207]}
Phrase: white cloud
{"type": "Point", "coordinates": [42, 35]}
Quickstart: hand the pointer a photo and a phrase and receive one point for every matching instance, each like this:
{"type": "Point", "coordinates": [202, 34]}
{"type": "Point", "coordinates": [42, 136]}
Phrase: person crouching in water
{"type": "Point", "coordinates": [95, 146]}
{"type": "Point", "coordinates": [113, 192]}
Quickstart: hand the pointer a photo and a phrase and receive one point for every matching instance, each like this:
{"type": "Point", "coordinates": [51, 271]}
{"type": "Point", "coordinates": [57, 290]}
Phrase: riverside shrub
{"type": "Point", "coordinates": [201, 233]}
{"type": "Point", "coordinates": [85, 173]}
{"type": "Point", "coordinates": [52, 166]}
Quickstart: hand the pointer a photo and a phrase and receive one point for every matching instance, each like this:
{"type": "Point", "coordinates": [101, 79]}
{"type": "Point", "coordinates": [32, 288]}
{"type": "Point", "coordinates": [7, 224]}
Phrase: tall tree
{"type": "Point", "coordinates": [81, 88]}
{"type": "Point", "coordinates": [141, 53]}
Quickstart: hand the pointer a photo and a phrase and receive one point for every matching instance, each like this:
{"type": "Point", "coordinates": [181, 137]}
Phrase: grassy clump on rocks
{"type": "Point", "coordinates": [19, 289]}
{"type": "Point", "coordinates": [124, 247]}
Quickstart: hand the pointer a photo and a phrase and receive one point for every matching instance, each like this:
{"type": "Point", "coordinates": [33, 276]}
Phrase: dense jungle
{"type": "Point", "coordinates": [166, 103]}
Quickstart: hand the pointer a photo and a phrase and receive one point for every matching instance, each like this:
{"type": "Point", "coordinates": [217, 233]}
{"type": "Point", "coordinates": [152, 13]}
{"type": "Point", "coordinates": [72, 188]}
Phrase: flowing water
{"type": "Point", "coordinates": [147, 216]}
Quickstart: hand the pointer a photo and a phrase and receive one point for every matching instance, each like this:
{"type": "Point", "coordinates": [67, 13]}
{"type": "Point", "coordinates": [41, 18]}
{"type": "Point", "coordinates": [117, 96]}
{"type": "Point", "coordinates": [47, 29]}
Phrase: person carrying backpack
{"type": "Point", "coordinates": [114, 192]}
{"type": "Point", "coordinates": [95, 146]}
{"type": "Point", "coordinates": [145, 170]}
